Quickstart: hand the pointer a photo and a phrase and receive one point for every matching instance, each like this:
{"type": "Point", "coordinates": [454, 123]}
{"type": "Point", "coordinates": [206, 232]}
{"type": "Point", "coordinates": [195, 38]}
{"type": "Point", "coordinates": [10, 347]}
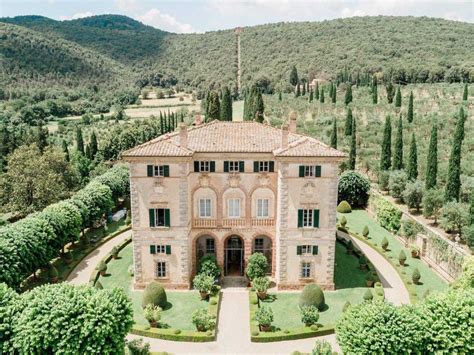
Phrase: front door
{"type": "Point", "coordinates": [234, 257]}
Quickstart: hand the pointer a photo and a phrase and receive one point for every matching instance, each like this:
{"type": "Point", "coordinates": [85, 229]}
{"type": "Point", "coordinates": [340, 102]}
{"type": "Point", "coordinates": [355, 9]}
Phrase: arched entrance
{"type": "Point", "coordinates": [234, 256]}
{"type": "Point", "coordinates": [263, 244]}
{"type": "Point", "coordinates": [205, 245]}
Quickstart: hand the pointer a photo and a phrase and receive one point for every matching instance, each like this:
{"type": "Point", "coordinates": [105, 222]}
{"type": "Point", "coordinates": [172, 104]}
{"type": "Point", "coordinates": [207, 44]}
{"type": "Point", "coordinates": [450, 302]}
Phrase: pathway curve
{"type": "Point", "coordinates": [82, 272]}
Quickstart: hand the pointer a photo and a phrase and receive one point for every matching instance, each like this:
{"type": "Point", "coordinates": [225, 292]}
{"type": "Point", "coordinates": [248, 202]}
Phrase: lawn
{"type": "Point", "coordinates": [347, 273]}
{"type": "Point", "coordinates": [181, 303]}
{"type": "Point", "coordinates": [430, 281]}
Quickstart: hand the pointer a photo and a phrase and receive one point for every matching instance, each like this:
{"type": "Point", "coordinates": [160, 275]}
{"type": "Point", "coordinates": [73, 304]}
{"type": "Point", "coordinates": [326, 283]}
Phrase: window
{"type": "Point", "coordinates": [305, 269]}
{"type": "Point", "coordinates": [210, 246]}
{"type": "Point", "coordinates": [204, 166]}
{"type": "Point", "coordinates": [204, 208]}
{"type": "Point", "coordinates": [310, 171]}
{"type": "Point", "coordinates": [306, 249]}
{"type": "Point", "coordinates": [161, 269]}
{"type": "Point", "coordinates": [259, 245]}
{"type": "Point", "coordinates": [234, 167]}
{"type": "Point", "coordinates": [263, 166]}
{"type": "Point", "coordinates": [234, 208]}
{"type": "Point", "coordinates": [159, 217]}
{"type": "Point", "coordinates": [262, 208]}
{"type": "Point", "coordinates": [158, 170]}
{"type": "Point", "coordinates": [160, 249]}
{"type": "Point", "coordinates": [307, 218]}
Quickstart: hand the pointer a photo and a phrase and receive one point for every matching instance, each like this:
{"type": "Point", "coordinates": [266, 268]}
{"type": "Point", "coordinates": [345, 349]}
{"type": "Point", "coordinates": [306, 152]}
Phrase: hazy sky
{"type": "Point", "coordinates": [206, 15]}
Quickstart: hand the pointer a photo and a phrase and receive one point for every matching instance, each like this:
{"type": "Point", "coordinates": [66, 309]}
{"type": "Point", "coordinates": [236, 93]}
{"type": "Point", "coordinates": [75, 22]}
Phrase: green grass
{"type": "Point", "coordinates": [347, 273]}
{"type": "Point", "coordinates": [181, 303]}
{"type": "Point", "coordinates": [429, 279]}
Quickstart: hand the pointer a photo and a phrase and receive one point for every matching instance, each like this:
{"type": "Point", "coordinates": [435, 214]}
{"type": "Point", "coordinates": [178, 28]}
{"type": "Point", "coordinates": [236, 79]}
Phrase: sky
{"type": "Point", "coordinates": [185, 16]}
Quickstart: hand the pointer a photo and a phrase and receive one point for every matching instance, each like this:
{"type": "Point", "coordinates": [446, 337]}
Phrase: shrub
{"type": "Point", "coordinates": [255, 333]}
{"type": "Point", "coordinates": [384, 243]}
{"type": "Point", "coordinates": [261, 284]}
{"type": "Point", "coordinates": [365, 232]}
{"type": "Point", "coordinates": [409, 229]}
{"type": "Point", "coordinates": [416, 276]}
{"type": "Point", "coordinates": [203, 283]}
{"type": "Point", "coordinates": [8, 298]}
{"type": "Point", "coordinates": [433, 200]}
{"type": "Point", "coordinates": [309, 315]}
{"type": "Point", "coordinates": [466, 280]}
{"type": "Point", "coordinates": [203, 320]}
{"type": "Point", "coordinates": [368, 296]}
{"type": "Point", "coordinates": [208, 266]}
{"type": "Point", "coordinates": [397, 183]}
{"type": "Point", "coordinates": [413, 194]}
{"type": "Point", "coordinates": [343, 221]}
{"type": "Point", "coordinates": [370, 276]}
{"type": "Point", "coordinates": [346, 306]}
{"type": "Point", "coordinates": [455, 215]}
{"type": "Point", "coordinates": [349, 247]}
{"type": "Point", "coordinates": [264, 316]}
{"type": "Point", "coordinates": [388, 215]}
{"type": "Point", "coordinates": [344, 207]}
{"type": "Point", "coordinates": [152, 313]}
{"type": "Point", "coordinates": [312, 295]}
{"type": "Point", "coordinates": [322, 347]}
{"type": "Point", "coordinates": [138, 347]}
{"type": "Point", "coordinates": [52, 273]}
{"type": "Point", "coordinates": [102, 267]}
{"type": "Point", "coordinates": [114, 252]}
{"type": "Point", "coordinates": [154, 294]}
{"type": "Point", "coordinates": [384, 177]}
{"type": "Point", "coordinates": [362, 261]}
{"type": "Point", "coordinates": [257, 266]}
{"type": "Point", "coordinates": [402, 257]}
{"type": "Point", "coordinates": [353, 188]}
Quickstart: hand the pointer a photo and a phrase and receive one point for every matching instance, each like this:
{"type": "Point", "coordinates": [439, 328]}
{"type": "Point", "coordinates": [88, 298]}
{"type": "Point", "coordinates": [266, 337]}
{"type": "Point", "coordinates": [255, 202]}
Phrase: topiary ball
{"type": "Point", "coordinates": [177, 331]}
{"type": "Point", "coordinates": [255, 333]}
{"type": "Point", "coordinates": [314, 327]}
{"type": "Point", "coordinates": [154, 294]}
{"type": "Point", "coordinates": [344, 207]}
{"type": "Point", "coordinates": [312, 295]}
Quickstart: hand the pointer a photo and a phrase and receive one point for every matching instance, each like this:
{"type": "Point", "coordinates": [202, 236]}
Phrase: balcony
{"type": "Point", "coordinates": [233, 222]}
{"type": "Point", "coordinates": [263, 222]}
{"type": "Point", "coordinates": [204, 223]}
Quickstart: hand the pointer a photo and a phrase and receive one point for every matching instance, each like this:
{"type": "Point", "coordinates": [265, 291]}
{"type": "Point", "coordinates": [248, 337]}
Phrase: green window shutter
{"type": "Point", "coordinates": [167, 217]}
{"type": "Point", "coordinates": [316, 218]}
{"type": "Point", "coordinates": [151, 213]}
{"type": "Point", "coordinates": [212, 166]}
{"type": "Point", "coordinates": [166, 170]}
{"type": "Point", "coordinates": [301, 170]}
{"type": "Point", "coordinates": [300, 218]}
{"type": "Point", "coordinates": [226, 167]}
{"type": "Point", "coordinates": [241, 166]}
{"type": "Point", "coordinates": [196, 166]}
{"type": "Point", "coordinates": [271, 166]}
{"type": "Point", "coordinates": [168, 249]}
{"type": "Point", "coordinates": [255, 166]}
{"type": "Point", "coordinates": [315, 250]}
{"type": "Point", "coordinates": [149, 170]}
{"type": "Point", "coordinates": [299, 250]}
{"type": "Point", "coordinates": [318, 170]}
{"type": "Point", "coordinates": [152, 249]}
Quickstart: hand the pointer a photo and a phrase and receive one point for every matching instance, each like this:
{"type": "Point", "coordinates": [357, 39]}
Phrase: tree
{"type": "Point", "coordinates": [79, 140]}
{"type": "Point", "coordinates": [397, 183]}
{"type": "Point", "coordinates": [94, 145]}
{"type": "Point", "coordinates": [334, 92]}
{"type": "Point", "coordinates": [303, 90]}
{"type": "Point", "coordinates": [257, 266]}
{"type": "Point", "coordinates": [465, 93]}
{"type": "Point", "coordinates": [412, 168]}
{"type": "Point", "coordinates": [348, 97]}
{"type": "Point", "coordinates": [316, 91]}
{"type": "Point", "coordinates": [453, 184]}
{"type": "Point", "coordinates": [432, 159]}
{"type": "Point", "coordinates": [398, 98]}
{"type": "Point", "coordinates": [310, 99]}
{"type": "Point", "coordinates": [432, 204]}
{"type": "Point", "coordinates": [298, 90]}
{"type": "Point", "coordinates": [410, 108]}
{"type": "Point", "coordinates": [321, 96]}
{"type": "Point", "coordinates": [65, 150]}
{"type": "Point", "coordinates": [390, 92]}
{"type": "Point", "coordinates": [353, 148]}
{"type": "Point", "coordinates": [413, 195]}
{"type": "Point", "coordinates": [454, 216]}
{"type": "Point", "coordinates": [386, 155]}
{"type": "Point", "coordinates": [226, 106]}
{"type": "Point", "coordinates": [279, 96]}
{"type": "Point", "coordinates": [42, 138]}
{"type": "Point", "coordinates": [334, 134]}
{"type": "Point", "coordinates": [353, 188]}
{"type": "Point", "coordinates": [349, 120]}
{"type": "Point", "coordinates": [398, 153]}
{"type": "Point", "coordinates": [375, 97]}
{"type": "Point", "coordinates": [213, 109]}
{"type": "Point", "coordinates": [259, 107]}
{"type": "Point", "coordinates": [294, 76]}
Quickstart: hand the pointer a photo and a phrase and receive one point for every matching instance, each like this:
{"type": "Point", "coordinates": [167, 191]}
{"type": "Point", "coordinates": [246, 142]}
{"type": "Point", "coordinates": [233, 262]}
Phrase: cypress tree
{"type": "Point", "coordinates": [321, 96]}
{"type": "Point", "coordinates": [331, 87]}
{"type": "Point", "coordinates": [88, 152]}
{"type": "Point", "coordinates": [42, 138]}
{"type": "Point", "coordinates": [294, 76]}
{"type": "Point", "coordinates": [465, 93]}
{"type": "Point", "coordinates": [348, 128]}
{"type": "Point", "coordinates": [334, 134]}
{"type": "Point", "coordinates": [412, 169]}
{"type": "Point", "coordinates": [333, 96]}
{"type": "Point", "coordinates": [79, 140]}
{"type": "Point", "coordinates": [386, 155]}
{"type": "Point", "coordinates": [311, 95]}
{"type": "Point", "coordinates": [298, 92]}
{"type": "Point", "coordinates": [453, 185]}
{"type": "Point", "coordinates": [303, 91]}
{"type": "Point", "coordinates": [353, 149]}
{"type": "Point", "coordinates": [214, 106]}
{"type": "Point", "coordinates": [259, 106]}
{"type": "Point", "coordinates": [307, 86]}
{"type": "Point", "coordinates": [432, 160]}
{"type": "Point", "coordinates": [246, 106]}
{"type": "Point", "coordinates": [94, 145]}
{"type": "Point", "coordinates": [398, 153]}
{"type": "Point", "coordinates": [279, 96]}
{"type": "Point", "coordinates": [316, 91]}
{"type": "Point", "coordinates": [162, 124]}
{"type": "Point", "coordinates": [398, 98]}
{"type": "Point", "coordinates": [348, 98]}
{"type": "Point", "coordinates": [390, 92]}
{"type": "Point", "coordinates": [65, 150]}
{"type": "Point", "coordinates": [226, 106]}
{"type": "Point", "coordinates": [410, 108]}
{"type": "Point", "coordinates": [375, 97]}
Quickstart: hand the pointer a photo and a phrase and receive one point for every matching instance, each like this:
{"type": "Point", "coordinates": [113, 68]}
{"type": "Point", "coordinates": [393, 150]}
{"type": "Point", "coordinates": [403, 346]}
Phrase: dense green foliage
{"type": "Point", "coordinates": [453, 184]}
{"type": "Point", "coordinates": [353, 188]}
{"type": "Point", "coordinates": [312, 295]}
{"type": "Point", "coordinates": [257, 266]}
{"type": "Point", "coordinates": [432, 160]}
{"type": "Point", "coordinates": [208, 266]}
{"type": "Point", "coordinates": [154, 294]}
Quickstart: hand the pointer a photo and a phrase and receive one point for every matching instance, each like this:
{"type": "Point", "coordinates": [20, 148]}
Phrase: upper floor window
{"type": "Point", "coordinates": [234, 208]}
{"type": "Point", "coordinates": [161, 269]}
{"type": "Point", "coordinates": [204, 166]}
{"type": "Point", "coordinates": [307, 250]}
{"type": "Point", "coordinates": [259, 245]}
{"type": "Point", "coordinates": [159, 217]}
{"type": "Point", "coordinates": [262, 208]}
{"type": "Point", "coordinates": [310, 171]}
{"type": "Point", "coordinates": [158, 170]}
{"type": "Point", "coordinates": [234, 166]}
{"type": "Point", "coordinates": [210, 246]}
{"type": "Point", "coordinates": [263, 166]}
{"type": "Point", "coordinates": [205, 208]}
{"type": "Point", "coordinates": [308, 218]}
{"type": "Point", "coordinates": [305, 269]}
{"type": "Point", "coordinates": [160, 249]}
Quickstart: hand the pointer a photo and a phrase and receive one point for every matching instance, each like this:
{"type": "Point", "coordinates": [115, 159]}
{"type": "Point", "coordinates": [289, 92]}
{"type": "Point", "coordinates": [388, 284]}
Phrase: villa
{"type": "Point", "coordinates": [232, 189]}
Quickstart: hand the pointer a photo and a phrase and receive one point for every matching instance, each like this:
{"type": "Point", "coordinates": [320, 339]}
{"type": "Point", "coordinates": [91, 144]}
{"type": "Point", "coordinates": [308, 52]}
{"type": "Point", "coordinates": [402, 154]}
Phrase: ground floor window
{"type": "Point", "coordinates": [210, 246]}
{"type": "Point", "coordinates": [259, 245]}
{"type": "Point", "coordinates": [161, 269]}
{"type": "Point", "coordinates": [305, 269]}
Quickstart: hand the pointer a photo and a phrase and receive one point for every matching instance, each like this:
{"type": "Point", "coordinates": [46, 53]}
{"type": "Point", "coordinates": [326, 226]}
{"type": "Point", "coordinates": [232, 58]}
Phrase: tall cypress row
{"type": "Point", "coordinates": [226, 106]}
{"type": "Point", "coordinates": [465, 93]}
{"type": "Point", "coordinates": [348, 127]}
{"type": "Point", "coordinates": [79, 140]}
{"type": "Point", "coordinates": [310, 95]}
{"type": "Point", "coordinates": [348, 98]}
{"type": "Point", "coordinates": [386, 154]}
{"type": "Point", "coordinates": [294, 76]}
{"type": "Point", "coordinates": [398, 152]}
{"type": "Point", "coordinates": [432, 160]}
{"type": "Point", "coordinates": [94, 145]}
{"type": "Point", "coordinates": [321, 96]}
{"type": "Point", "coordinates": [375, 97]}
{"type": "Point", "coordinates": [162, 125]}
{"type": "Point", "coordinates": [316, 91]}
{"type": "Point", "coordinates": [410, 108]}
{"type": "Point", "coordinates": [259, 106]}
{"type": "Point", "coordinates": [453, 185]}
{"type": "Point", "coordinates": [331, 87]}
{"type": "Point", "coordinates": [334, 134]}
{"type": "Point", "coordinates": [412, 168]}
{"type": "Point", "coordinates": [353, 149]}
{"type": "Point", "coordinates": [398, 98]}
{"type": "Point", "coordinates": [333, 96]}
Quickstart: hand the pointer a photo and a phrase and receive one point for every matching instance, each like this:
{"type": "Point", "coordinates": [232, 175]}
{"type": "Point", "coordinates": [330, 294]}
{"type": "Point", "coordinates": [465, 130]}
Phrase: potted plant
{"type": "Point", "coordinates": [309, 315]}
{"type": "Point", "coordinates": [368, 296]}
{"type": "Point", "coordinates": [67, 257]}
{"type": "Point", "coordinates": [102, 268]}
{"type": "Point", "coordinates": [416, 276]}
{"type": "Point", "coordinates": [261, 285]}
{"type": "Point", "coordinates": [153, 315]}
{"type": "Point", "coordinates": [369, 279]}
{"type": "Point", "coordinates": [264, 318]}
{"type": "Point", "coordinates": [384, 244]}
{"type": "Point", "coordinates": [257, 266]}
{"type": "Point", "coordinates": [402, 257]}
{"type": "Point", "coordinates": [203, 283]}
{"type": "Point", "coordinates": [203, 320]}
{"type": "Point", "coordinates": [362, 262]}
{"type": "Point", "coordinates": [415, 251]}
{"type": "Point", "coordinates": [53, 274]}
{"type": "Point", "coordinates": [365, 232]}
{"type": "Point", "coordinates": [114, 252]}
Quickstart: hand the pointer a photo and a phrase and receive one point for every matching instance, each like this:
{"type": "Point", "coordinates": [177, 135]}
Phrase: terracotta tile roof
{"type": "Point", "coordinates": [228, 137]}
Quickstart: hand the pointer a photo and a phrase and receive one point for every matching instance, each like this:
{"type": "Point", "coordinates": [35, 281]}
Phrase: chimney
{"type": "Point", "coordinates": [292, 127]}
{"type": "Point", "coordinates": [183, 135]}
{"type": "Point", "coordinates": [284, 136]}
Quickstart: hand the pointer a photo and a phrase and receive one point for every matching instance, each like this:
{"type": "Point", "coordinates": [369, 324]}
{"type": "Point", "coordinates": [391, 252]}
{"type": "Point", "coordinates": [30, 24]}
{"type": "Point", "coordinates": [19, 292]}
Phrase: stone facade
{"type": "Point", "coordinates": [204, 217]}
